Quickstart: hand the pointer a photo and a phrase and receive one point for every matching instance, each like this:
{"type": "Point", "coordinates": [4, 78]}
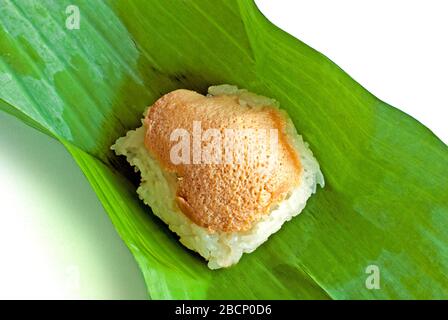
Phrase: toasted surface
{"type": "Point", "coordinates": [225, 197]}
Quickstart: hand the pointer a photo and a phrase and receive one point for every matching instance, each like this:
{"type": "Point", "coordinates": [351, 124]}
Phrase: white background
{"type": "Point", "coordinates": [397, 49]}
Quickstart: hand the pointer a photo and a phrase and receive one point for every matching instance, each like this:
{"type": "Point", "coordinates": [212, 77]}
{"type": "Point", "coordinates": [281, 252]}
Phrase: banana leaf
{"type": "Point", "coordinates": [386, 197]}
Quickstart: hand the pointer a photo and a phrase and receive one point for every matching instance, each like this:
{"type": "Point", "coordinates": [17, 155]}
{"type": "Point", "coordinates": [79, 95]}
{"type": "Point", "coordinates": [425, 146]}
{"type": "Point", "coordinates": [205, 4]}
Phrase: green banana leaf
{"type": "Point", "coordinates": [386, 197]}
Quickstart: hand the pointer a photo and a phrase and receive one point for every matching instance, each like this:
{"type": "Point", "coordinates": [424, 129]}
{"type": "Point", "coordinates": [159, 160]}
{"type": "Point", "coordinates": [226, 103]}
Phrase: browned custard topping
{"type": "Point", "coordinates": [223, 195]}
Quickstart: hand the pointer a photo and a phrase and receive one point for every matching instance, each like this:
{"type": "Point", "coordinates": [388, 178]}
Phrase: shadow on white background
{"type": "Point", "coordinates": [56, 240]}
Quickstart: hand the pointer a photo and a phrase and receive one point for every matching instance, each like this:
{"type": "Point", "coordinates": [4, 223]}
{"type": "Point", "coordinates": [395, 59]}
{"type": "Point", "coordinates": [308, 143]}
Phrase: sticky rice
{"type": "Point", "coordinates": [216, 229]}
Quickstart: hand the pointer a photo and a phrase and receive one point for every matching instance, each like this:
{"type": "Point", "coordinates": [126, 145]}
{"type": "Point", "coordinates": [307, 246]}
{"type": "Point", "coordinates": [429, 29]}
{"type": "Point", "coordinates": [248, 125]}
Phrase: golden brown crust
{"type": "Point", "coordinates": [225, 197]}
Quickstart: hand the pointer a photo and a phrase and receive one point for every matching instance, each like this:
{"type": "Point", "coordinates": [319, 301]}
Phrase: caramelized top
{"type": "Point", "coordinates": [226, 180]}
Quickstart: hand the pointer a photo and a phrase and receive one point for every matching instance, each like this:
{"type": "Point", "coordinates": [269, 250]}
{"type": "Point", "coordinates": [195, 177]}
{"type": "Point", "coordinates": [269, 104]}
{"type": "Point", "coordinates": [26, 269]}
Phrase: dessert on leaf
{"type": "Point", "coordinates": [223, 171]}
